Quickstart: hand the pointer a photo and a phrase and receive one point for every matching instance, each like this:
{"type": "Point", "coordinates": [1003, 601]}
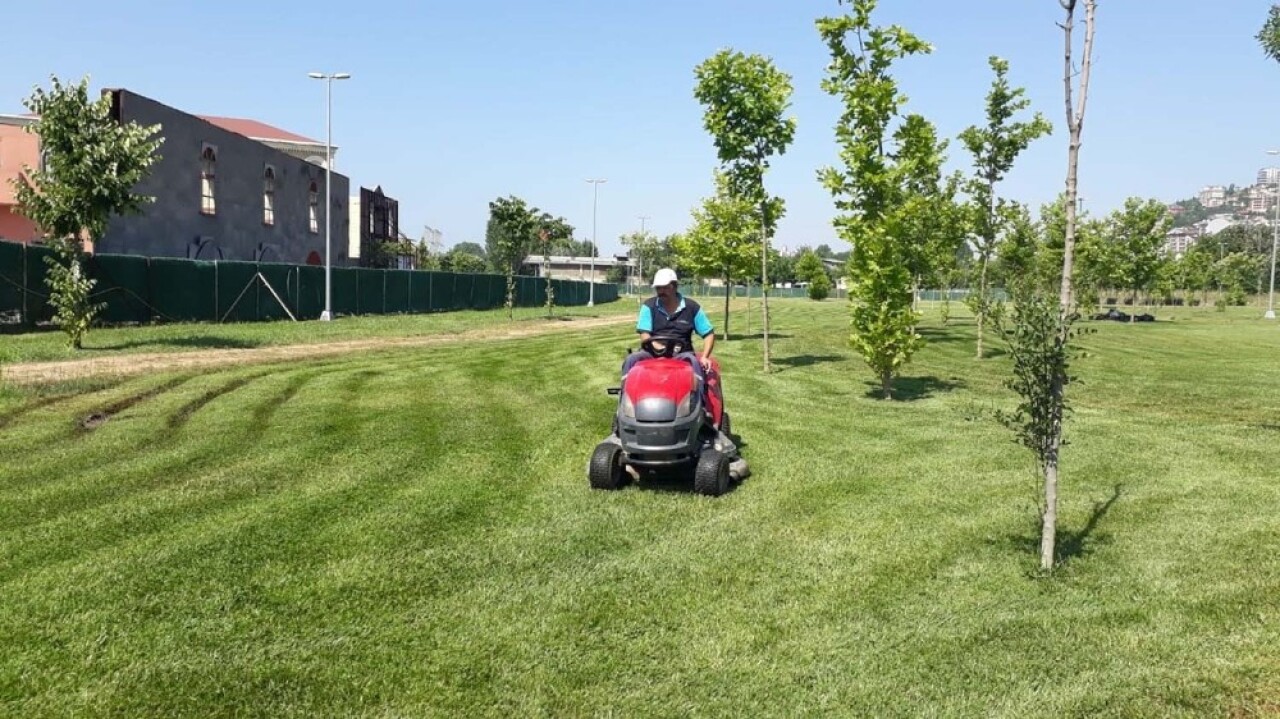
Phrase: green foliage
{"type": "Point", "coordinates": [92, 163]}
{"type": "Point", "coordinates": [723, 241]}
{"type": "Point", "coordinates": [515, 228]}
{"type": "Point", "coordinates": [1192, 212]}
{"type": "Point", "coordinates": [809, 266]}
{"type": "Point", "coordinates": [474, 249]}
{"type": "Point", "coordinates": [1039, 347]}
{"type": "Point", "coordinates": [1269, 36]}
{"type": "Point", "coordinates": [995, 148]}
{"type": "Point", "coordinates": [653, 253]}
{"type": "Point", "coordinates": [888, 179]}
{"type": "Point", "coordinates": [820, 287]}
{"type": "Point", "coordinates": [463, 262]}
{"type": "Point", "coordinates": [1133, 237]}
{"type": "Point", "coordinates": [70, 288]}
{"type": "Point", "coordinates": [745, 98]}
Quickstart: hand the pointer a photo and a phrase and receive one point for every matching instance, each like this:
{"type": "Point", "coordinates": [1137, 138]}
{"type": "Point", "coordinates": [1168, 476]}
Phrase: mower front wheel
{"type": "Point", "coordinates": [606, 470]}
{"type": "Point", "coordinates": [711, 477]}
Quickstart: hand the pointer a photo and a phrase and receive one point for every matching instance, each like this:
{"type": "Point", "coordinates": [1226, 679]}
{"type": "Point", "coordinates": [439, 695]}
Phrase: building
{"type": "Point", "coordinates": [218, 192]}
{"type": "Point", "coordinates": [1178, 241]}
{"type": "Point", "coordinates": [1269, 176]}
{"type": "Point", "coordinates": [1262, 198]}
{"type": "Point", "coordinates": [303, 148]}
{"type": "Point", "coordinates": [1213, 196]}
{"type": "Point", "coordinates": [376, 220]}
{"type": "Point", "coordinates": [561, 267]}
{"type": "Point", "coordinates": [18, 148]}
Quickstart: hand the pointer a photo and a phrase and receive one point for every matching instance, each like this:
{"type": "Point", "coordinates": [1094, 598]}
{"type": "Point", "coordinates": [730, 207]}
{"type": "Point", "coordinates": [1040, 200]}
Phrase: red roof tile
{"type": "Point", "coordinates": [256, 130]}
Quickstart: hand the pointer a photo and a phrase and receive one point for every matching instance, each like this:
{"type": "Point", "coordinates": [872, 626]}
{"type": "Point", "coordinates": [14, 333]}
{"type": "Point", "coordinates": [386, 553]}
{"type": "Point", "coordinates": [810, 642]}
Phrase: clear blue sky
{"type": "Point", "coordinates": [455, 103]}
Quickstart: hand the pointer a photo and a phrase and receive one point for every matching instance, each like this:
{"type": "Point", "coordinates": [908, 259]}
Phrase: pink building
{"type": "Point", "coordinates": [17, 148]}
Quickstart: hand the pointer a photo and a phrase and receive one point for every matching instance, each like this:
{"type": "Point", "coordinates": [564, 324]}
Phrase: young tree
{"type": "Point", "coordinates": [1043, 327]}
{"type": "Point", "coordinates": [723, 240]}
{"type": "Point", "coordinates": [93, 163]}
{"type": "Point", "coordinates": [1135, 235]}
{"type": "Point", "coordinates": [879, 190]}
{"type": "Point", "coordinates": [994, 149]}
{"type": "Point", "coordinates": [745, 98]}
{"type": "Point", "coordinates": [512, 230]}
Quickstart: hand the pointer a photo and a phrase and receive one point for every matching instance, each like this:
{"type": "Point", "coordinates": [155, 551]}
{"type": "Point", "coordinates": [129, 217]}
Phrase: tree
{"type": "Point", "coordinates": [824, 251]}
{"type": "Point", "coordinates": [1018, 255]}
{"type": "Point", "coordinates": [745, 98]}
{"type": "Point", "coordinates": [1135, 235]}
{"type": "Point", "coordinates": [1269, 36]}
{"type": "Point", "coordinates": [994, 149]}
{"type": "Point", "coordinates": [878, 191]}
{"type": "Point", "coordinates": [723, 240]}
{"type": "Point", "coordinates": [93, 163]}
{"type": "Point", "coordinates": [809, 266]}
{"type": "Point", "coordinates": [1042, 331]}
{"type": "Point", "coordinates": [462, 262]}
{"type": "Point", "coordinates": [513, 225]}
{"type": "Point", "coordinates": [1197, 270]}
{"type": "Point", "coordinates": [474, 249]}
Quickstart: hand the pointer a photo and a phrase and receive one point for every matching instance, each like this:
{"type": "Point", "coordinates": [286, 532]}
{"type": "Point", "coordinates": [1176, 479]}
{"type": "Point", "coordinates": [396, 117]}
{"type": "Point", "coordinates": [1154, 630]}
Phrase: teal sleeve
{"type": "Point", "coordinates": [702, 324]}
{"type": "Point", "coordinates": [644, 323]}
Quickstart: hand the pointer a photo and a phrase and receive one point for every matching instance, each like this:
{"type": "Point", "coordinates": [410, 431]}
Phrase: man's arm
{"type": "Point", "coordinates": [644, 323]}
{"type": "Point", "coordinates": [702, 325]}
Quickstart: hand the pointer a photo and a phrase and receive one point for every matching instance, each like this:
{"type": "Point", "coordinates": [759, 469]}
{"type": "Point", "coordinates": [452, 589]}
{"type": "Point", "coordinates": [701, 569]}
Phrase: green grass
{"type": "Point", "coordinates": [411, 534]}
{"type": "Point", "coordinates": [48, 345]}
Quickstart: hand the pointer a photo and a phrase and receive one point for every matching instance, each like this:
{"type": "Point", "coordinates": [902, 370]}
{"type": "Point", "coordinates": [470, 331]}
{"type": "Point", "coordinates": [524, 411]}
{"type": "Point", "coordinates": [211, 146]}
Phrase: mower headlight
{"type": "Point", "coordinates": [685, 408]}
{"type": "Point", "coordinates": [628, 407]}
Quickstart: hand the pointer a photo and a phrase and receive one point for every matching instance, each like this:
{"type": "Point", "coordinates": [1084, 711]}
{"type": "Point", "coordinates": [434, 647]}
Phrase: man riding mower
{"type": "Point", "coordinates": [670, 413]}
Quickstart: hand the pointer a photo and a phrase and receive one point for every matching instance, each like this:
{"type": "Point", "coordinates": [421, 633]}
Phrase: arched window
{"type": "Point", "coordinates": [269, 196]}
{"type": "Point", "coordinates": [313, 207]}
{"type": "Point", "coordinates": [208, 167]}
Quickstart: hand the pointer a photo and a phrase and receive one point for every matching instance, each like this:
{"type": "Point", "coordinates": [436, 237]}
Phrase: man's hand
{"type": "Point", "coordinates": [706, 363]}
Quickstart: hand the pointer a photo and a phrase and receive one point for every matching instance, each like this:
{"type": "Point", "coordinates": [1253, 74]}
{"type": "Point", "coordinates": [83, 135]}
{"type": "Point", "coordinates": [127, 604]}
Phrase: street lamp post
{"type": "Point", "coordinates": [640, 259]}
{"type": "Point", "coordinates": [1275, 238]}
{"type": "Point", "coordinates": [591, 299]}
{"type": "Point", "coordinates": [327, 314]}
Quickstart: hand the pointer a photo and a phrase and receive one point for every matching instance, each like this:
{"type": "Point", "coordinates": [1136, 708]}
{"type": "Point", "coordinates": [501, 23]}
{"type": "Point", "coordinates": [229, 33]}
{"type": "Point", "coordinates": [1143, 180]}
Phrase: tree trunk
{"type": "Point", "coordinates": [1075, 123]}
{"type": "Point", "coordinates": [1049, 523]}
{"type": "Point", "coordinates": [982, 302]}
{"type": "Point", "coordinates": [764, 283]}
{"type": "Point", "coordinates": [728, 291]}
{"type": "Point", "coordinates": [1134, 314]}
{"type": "Point", "coordinates": [748, 329]}
{"type": "Point", "coordinates": [886, 384]}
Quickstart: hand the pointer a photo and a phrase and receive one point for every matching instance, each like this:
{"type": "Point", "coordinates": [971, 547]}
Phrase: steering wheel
{"type": "Point", "coordinates": [662, 347]}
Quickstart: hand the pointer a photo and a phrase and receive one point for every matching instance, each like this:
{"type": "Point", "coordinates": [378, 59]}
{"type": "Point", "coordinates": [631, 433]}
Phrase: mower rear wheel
{"type": "Point", "coordinates": [712, 474]}
{"type": "Point", "coordinates": [606, 470]}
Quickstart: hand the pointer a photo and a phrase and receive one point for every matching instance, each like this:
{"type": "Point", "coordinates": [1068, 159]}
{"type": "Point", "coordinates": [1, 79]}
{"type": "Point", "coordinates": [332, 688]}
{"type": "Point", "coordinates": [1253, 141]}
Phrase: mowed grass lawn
{"type": "Point", "coordinates": [411, 534]}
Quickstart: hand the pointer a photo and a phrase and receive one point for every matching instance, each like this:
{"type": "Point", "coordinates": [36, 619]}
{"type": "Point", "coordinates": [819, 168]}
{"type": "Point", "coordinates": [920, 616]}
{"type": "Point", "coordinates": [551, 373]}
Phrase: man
{"type": "Point", "coordinates": [668, 315]}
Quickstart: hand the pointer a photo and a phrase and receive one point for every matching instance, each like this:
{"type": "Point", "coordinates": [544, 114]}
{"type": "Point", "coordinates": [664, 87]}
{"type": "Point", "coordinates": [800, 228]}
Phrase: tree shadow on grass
{"type": "Point", "coordinates": [912, 389]}
{"type": "Point", "coordinates": [739, 337]}
{"type": "Point", "coordinates": [798, 361]}
{"type": "Point", "coordinates": [941, 335]}
{"type": "Point", "coordinates": [212, 342]}
{"type": "Point", "coordinates": [1071, 545]}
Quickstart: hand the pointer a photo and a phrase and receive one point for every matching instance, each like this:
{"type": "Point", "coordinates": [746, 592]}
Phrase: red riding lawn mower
{"type": "Point", "coordinates": [667, 422]}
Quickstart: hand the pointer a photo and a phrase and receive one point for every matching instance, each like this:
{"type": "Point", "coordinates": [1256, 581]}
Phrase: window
{"type": "Point", "coordinates": [313, 207]}
{"type": "Point", "coordinates": [269, 196]}
{"type": "Point", "coordinates": [208, 165]}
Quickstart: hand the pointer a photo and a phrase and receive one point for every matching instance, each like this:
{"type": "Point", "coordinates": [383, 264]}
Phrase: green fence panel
{"type": "Point", "coordinates": [183, 290]}
{"type": "Point", "coordinates": [526, 292]}
{"type": "Point", "coordinates": [371, 288]}
{"type": "Point", "coordinates": [308, 289]}
{"type": "Point", "coordinates": [397, 282]}
{"type": "Point", "coordinates": [280, 277]}
{"type": "Point", "coordinates": [346, 290]}
{"type": "Point", "coordinates": [12, 277]}
{"type": "Point", "coordinates": [123, 286]}
{"type": "Point", "coordinates": [38, 307]}
{"type": "Point", "coordinates": [441, 291]}
{"type": "Point", "coordinates": [420, 291]}
{"type": "Point", "coordinates": [237, 292]}
{"type": "Point", "coordinates": [470, 291]}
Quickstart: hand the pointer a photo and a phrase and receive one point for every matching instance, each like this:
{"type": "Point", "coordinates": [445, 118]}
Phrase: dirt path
{"type": "Point", "coordinates": [134, 364]}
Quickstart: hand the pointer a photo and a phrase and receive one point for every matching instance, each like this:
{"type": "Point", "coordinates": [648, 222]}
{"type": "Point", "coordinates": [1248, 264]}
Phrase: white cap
{"type": "Point", "coordinates": [664, 277]}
